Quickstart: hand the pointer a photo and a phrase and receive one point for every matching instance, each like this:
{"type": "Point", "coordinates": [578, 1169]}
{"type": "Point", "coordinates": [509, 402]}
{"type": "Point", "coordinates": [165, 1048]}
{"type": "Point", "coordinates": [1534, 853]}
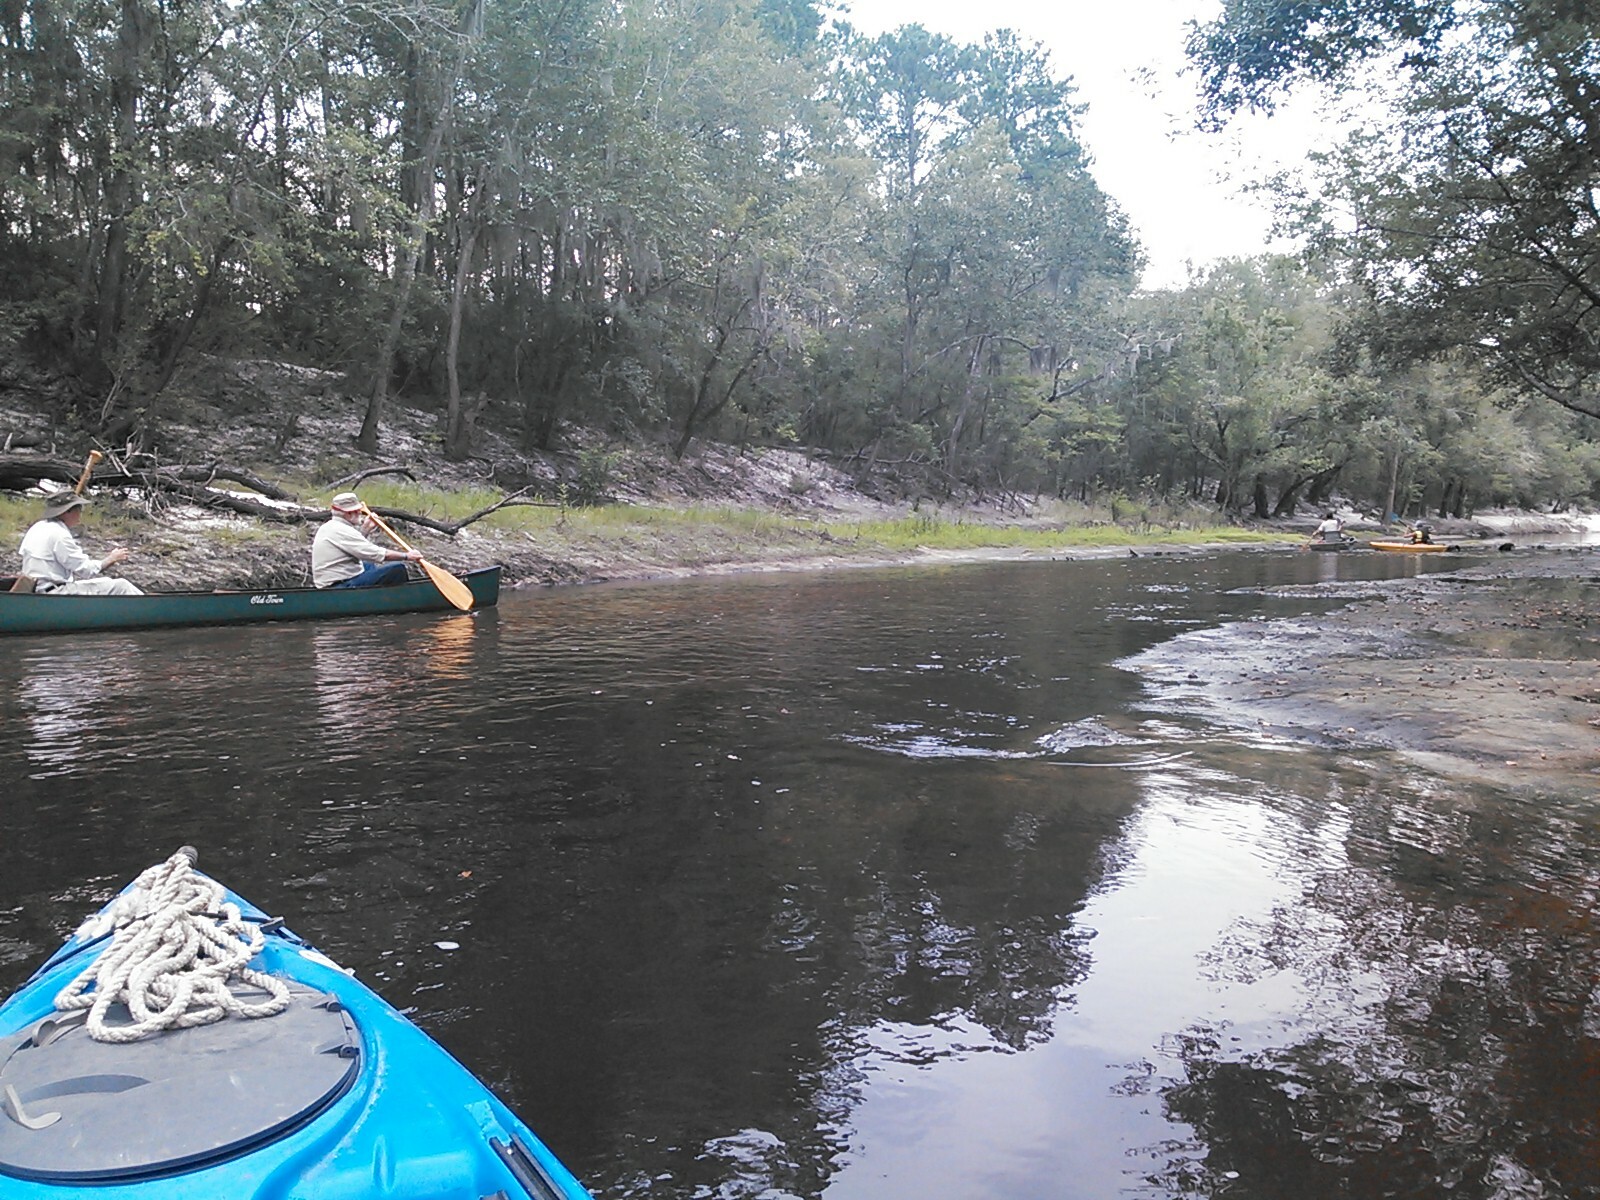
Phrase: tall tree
{"type": "Point", "coordinates": [433, 84]}
{"type": "Point", "coordinates": [1470, 213]}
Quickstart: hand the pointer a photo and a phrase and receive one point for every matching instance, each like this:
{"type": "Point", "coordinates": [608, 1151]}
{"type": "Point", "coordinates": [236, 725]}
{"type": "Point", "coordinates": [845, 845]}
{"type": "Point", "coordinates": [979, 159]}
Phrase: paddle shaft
{"type": "Point", "coordinates": [88, 469]}
{"type": "Point", "coordinates": [452, 588]}
{"type": "Point", "coordinates": [395, 537]}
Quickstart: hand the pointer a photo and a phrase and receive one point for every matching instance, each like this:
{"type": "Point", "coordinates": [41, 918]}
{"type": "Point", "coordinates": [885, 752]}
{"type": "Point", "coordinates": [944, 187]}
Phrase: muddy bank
{"type": "Point", "coordinates": [1491, 673]}
{"type": "Point", "coordinates": [186, 547]}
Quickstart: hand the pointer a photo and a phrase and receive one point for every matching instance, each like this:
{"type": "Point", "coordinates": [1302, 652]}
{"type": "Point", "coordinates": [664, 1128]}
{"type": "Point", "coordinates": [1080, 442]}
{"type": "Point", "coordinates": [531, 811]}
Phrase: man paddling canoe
{"type": "Point", "coordinates": [342, 555]}
{"type": "Point", "coordinates": [1329, 529]}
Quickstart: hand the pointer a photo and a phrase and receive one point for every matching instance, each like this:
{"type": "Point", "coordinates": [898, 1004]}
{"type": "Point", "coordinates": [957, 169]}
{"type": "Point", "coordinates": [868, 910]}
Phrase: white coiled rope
{"type": "Point", "coordinates": [176, 942]}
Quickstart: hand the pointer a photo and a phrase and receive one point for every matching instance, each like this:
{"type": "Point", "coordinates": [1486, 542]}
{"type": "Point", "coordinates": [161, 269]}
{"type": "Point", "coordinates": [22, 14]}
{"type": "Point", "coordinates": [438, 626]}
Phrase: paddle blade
{"type": "Point", "coordinates": [453, 589]}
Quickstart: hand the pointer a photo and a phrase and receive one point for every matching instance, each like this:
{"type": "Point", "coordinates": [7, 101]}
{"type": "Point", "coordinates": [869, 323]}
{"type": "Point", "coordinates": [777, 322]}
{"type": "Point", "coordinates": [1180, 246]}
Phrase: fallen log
{"type": "Point", "coordinates": [19, 472]}
{"type": "Point", "coordinates": [231, 475]}
{"type": "Point", "coordinates": [370, 472]}
{"type": "Point", "coordinates": [192, 483]}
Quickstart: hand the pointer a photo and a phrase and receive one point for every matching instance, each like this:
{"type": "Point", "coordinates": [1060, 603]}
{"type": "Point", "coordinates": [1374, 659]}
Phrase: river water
{"type": "Point", "coordinates": [870, 885]}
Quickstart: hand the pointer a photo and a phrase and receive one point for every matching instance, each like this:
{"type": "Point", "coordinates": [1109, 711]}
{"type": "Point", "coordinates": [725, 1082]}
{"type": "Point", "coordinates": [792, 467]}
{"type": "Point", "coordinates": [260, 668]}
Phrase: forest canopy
{"type": "Point", "coordinates": [746, 220]}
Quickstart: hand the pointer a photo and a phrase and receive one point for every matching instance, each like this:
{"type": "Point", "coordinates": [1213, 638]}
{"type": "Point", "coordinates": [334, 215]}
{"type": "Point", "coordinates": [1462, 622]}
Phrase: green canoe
{"type": "Point", "coordinates": [24, 612]}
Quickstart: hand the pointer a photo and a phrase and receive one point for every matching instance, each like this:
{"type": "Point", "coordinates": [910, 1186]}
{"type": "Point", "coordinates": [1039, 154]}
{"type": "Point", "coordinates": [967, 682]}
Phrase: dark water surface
{"type": "Point", "coordinates": [873, 885]}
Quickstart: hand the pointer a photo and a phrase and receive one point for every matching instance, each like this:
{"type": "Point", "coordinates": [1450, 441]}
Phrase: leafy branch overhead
{"type": "Point", "coordinates": [1464, 207]}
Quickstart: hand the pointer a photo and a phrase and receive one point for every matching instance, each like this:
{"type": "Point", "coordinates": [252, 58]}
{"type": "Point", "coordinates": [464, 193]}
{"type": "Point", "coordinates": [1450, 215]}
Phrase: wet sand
{"type": "Point", "coordinates": [1490, 674]}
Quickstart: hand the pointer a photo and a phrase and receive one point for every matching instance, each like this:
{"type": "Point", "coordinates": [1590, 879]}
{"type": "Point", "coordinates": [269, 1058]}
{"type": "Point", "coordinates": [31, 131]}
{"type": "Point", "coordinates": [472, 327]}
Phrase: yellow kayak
{"type": "Point", "coordinates": [1412, 547]}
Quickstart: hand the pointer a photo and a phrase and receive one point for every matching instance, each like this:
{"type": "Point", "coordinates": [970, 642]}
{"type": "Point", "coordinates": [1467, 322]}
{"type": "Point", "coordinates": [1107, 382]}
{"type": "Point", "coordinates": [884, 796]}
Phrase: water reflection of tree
{"type": "Point", "coordinates": [753, 942]}
{"type": "Point", "coordinates": [931, 939]}
{"type": "Point", "coordinates": [1475, 1070]}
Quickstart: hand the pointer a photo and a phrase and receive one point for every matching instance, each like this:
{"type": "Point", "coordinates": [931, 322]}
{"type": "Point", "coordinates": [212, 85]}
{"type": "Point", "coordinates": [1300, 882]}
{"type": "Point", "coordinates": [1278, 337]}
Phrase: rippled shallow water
{"type": "Point", "coordinates": [873, 884]}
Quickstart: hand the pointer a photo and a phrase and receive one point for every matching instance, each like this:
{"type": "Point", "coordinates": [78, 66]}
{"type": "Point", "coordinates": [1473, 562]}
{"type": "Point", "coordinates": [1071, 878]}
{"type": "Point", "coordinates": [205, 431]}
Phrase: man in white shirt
{"type": "Point", "coordinates": [342, 555]}
{"type": "Point", "coordinates": [52, 557]}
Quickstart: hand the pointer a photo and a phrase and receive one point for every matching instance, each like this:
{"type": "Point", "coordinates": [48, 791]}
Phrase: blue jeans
{"type": "Point", "coordinates": [376, 575]}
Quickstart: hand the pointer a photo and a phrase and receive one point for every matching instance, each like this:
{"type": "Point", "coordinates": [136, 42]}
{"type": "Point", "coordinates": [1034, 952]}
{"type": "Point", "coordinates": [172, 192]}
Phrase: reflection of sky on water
{"type": "Point", "coordinates": [814, 918]}
{"type": "Point", "coordinates": [1196, 866]}
{"type": "Point", "coordinates": [71, 697]}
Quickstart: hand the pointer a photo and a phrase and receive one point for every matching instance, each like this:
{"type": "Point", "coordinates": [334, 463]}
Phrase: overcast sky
{"type": "Point", "coordinates": [1180, 188]}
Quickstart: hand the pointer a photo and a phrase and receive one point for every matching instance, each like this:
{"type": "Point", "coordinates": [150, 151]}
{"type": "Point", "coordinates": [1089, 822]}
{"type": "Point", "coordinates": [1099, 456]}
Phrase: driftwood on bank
{"type": "Point", "coordinates": [370, 472]}
{"type": "Point", "coordinates": [193, 484]}
{"type": "Point", "coordinates": [21, 441]}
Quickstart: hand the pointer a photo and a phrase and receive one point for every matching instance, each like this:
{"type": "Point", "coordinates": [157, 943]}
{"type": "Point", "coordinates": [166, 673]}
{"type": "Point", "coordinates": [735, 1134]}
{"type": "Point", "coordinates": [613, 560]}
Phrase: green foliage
{"type": "Point", "coordinates": [1253, 50]}
{"type": "Point", "coordinates": [1466, 209]}
{"type": "Point", "coordinates": [591, 482]}
{"type": "Point", "coordinates": [743, 220]}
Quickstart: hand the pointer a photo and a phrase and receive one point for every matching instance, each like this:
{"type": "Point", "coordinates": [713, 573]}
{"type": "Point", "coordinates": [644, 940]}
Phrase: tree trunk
{"type": "Point", "coordinates": [456, 434]}
{"type": "Point", "coordinates": [119, 183]}
{"type": "Point", "coordinates": [704, 408]}
{"type": "Point", "coordinates": [1394, 485]}
{"type": "Point", "coordinates": [953, 443]}
{"type": "Point", "coordinates": [367, 439]}
{"type": "Point", "coordinates": [180, 340]}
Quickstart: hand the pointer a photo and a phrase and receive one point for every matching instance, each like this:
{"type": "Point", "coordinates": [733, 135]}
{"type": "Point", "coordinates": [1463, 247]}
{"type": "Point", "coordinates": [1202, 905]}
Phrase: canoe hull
{"type": "Point", "coordinates": [22, 612]}
{"type": "Point", "coordinates": [412, 1124]}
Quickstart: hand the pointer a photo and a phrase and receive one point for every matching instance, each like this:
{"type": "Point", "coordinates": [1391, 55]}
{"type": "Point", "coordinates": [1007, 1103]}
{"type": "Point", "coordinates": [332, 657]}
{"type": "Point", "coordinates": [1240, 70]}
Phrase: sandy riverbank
{"type": "Point", "coordinates": [1490, 673]}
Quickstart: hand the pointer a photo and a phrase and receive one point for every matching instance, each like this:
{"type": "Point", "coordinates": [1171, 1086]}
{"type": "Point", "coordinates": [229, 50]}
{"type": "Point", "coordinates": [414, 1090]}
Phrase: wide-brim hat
{"type": "Point", "coordinates": [346, 502]}
{"type": "Point", "coordinates": [62, 503]}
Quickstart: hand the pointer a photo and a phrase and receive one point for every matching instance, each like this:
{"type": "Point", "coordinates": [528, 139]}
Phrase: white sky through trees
{"type": "Point", "coordinates": [1180, 188]}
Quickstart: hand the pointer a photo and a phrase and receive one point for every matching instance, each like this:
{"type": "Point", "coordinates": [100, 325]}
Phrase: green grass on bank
{"type": "Point", "coordinates": [1056, 526]}
{"type": "Point", "coordinates": [918, 533]}
{"type": "Point", "coordinates": [904, 534]}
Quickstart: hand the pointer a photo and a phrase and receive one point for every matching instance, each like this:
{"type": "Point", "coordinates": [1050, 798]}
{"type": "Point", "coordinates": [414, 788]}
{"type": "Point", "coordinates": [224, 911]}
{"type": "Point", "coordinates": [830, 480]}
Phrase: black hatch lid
{"type": "Point", "coordinates": [179, 1100]}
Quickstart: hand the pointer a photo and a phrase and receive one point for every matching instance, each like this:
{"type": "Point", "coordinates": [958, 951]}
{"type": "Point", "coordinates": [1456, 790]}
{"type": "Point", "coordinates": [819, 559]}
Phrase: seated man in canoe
{"type": "Point", "coordinates": [55, 562]}
{"type": "Point", "coordinates": [343, 556]}
{"type": "Point", "coordinates": [1329, 530]}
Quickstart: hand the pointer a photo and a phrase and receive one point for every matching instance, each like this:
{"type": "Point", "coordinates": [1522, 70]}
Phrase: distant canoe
{"type": "Point", "coordinates": [24, 612]}
{"type": "Point", "coordinates": [1412, 547]}
{"type": "Point", "coordinates": [1341, 543]}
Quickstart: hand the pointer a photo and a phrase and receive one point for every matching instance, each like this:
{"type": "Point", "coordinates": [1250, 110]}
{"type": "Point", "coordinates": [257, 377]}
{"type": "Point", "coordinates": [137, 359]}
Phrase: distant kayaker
{"type": "Point", "coordinates": [343, 556]}
{"type": "Point", "coordinates": [56, 563]}
{"type": "Point", "coordinates": [1421, 535]}
{"type": "Point", "coordinates": [1330, 529]}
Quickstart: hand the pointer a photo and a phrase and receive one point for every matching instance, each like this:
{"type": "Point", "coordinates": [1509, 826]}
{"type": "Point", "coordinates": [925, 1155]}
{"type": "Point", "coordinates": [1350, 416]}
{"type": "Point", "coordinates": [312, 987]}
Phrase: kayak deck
{"type": "Point", "coordinates": [81, 1109]}
{"type": "Point", "coordinates": [337, 1096]}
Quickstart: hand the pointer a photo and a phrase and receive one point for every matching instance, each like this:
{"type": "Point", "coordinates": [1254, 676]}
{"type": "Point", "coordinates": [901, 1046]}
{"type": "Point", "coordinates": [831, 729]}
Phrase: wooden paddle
{"type": "Point", "coordinates": [88, 469]}
{"type": "Point", "coordinates": [452, 588]}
